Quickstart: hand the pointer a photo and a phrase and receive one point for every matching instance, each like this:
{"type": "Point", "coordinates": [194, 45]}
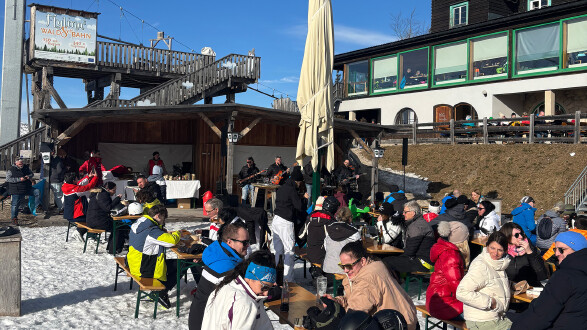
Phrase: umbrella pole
{"type": "Point", "coordinates": [316, 178]}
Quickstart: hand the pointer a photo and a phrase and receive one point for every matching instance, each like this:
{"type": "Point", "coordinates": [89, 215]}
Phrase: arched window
{"type": "Point", "coordinates": [462, 110]}
{"type": "Point", "coordinates": [406, 116]}
{"type": "Point", "coordinates": [558, 109]}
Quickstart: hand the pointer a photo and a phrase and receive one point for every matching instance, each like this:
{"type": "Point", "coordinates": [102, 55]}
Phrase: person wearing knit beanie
{"type": "Point", "coordinates": [457, 233]}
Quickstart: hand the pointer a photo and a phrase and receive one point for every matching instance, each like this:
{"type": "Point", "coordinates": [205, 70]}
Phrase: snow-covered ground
{"type": "Point", "coordinates": [64, 289]}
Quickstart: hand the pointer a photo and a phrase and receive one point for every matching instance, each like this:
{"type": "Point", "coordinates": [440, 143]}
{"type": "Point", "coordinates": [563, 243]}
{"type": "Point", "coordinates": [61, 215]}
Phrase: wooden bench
{"type": "Point", "coordinates": [441, 324]}
{"type": "Point", "coordinates": [145, 284]}
{"type": "Point", "coordinates": [92, 233]}
{"type": "Point", "coordinates": [419, 277]}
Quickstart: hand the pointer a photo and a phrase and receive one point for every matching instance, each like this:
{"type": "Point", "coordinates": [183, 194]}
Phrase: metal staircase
{"type": "Point", "coordinates": [230, 73]}
{"type": "Point", "coordinates": [577, 193]}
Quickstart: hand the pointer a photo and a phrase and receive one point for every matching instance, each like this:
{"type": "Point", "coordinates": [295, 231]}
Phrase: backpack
{"type": "Point", "coordinates": [544, 228]}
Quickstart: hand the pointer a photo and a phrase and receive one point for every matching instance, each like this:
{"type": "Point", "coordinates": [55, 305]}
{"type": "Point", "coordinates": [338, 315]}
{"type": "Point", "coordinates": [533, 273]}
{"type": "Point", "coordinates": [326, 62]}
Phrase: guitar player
{"type": "Point", "coordinates": [246, 176]}
{"type": "Point", "coordinates": [345, 173]}
{"type": "Point", "coordinates": [277, 169]}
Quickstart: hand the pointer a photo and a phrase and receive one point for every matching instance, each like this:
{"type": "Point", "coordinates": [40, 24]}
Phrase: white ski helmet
{"type": "Point", "coordinates": [135, 209]}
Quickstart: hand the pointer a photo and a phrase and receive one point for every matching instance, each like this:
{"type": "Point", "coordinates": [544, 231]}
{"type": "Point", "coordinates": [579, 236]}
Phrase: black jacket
{"type": "Point", "coordinates": [419, 239]}
{"type": "Point", "coordinates": [343, 172]}
{"type": "Point", "coordinates": [273, 169]}
{"type": "Point", "coordinates": [308, 172]}
{"type": "Point", "coordinates": [529, 267]}
{"type": "Point", "coordinates": [19, 187]}
{"type": "Point", "coordinates": [315, 232]}
{"type": "Point", "coordinates": [246, 172]}
{"type": "Point", "coordinates": [288, 203]}
{"type": "Point", "coordinates": [562, 303]}
{"type": "Point", "coordinates": [57, 170]}
{"type": "Point", "coordinates": [99, 206]}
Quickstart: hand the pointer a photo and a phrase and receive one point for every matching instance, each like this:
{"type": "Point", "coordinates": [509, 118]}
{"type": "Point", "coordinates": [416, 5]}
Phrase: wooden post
{"type": "Point", "coordinates": [47, 80]}
{"type": "Point", "coordinates": [452, 131]}
{"type": "Point", "coordinates": [115, 86]}
{"type": "Point", "coordinates": [250, 127]}
{"type": "Point", "coordinates": [211, 124]}
{"type": "Point", "coordinates": [531, 133]}
{"type": "Point", "coordinates": [549, 103]}
{"type": "Point", "coordinates": [485, 132]}
{"type": "Point", "coordinates": [577, 133]}
{"type": "Point", "coordinates": [71, 131]}
{"type": "Point", "coordinates": [415, 132]}
{"type": "Point", "coordinates": [230, 153]}
{"type": "Point", "coordinates": [10, 275]}
{"type": "Point", "coordinates": [374, 177]}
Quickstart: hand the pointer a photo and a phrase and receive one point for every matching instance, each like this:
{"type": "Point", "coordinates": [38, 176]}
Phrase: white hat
{"type": "Point", "coordinates": [135, 209]}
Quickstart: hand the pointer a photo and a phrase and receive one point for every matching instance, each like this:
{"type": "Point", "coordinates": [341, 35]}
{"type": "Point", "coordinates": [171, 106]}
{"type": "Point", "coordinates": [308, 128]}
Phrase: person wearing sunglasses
{"type": "Point", "coordinates": [527, 264]}
{"type": "Point", "coordinates": [419, 238]}
{"type": "Point", "coordinates": [245, 179]}
{"type": "Point", "coordinates": [219, 259]}
{"type": "Point", "coordinates": [524, 216]}
{"type": "Point", "coordinates": [580, 227]}
{"type": "Point", "coordinates": [488, 220]}
{"type": "Point", "coordinates": [237, 302]}
{"type": "Point", "coordinates": [369, 287]}
{"type": "Point", "coordinates": [561, 305]}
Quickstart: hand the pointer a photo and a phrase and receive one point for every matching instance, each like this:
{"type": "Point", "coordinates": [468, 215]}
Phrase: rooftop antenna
{"type": "Point", "coordinates": [161, 37]}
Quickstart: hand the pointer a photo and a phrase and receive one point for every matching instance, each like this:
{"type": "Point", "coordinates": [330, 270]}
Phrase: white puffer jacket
{"type": "Point", "coordinates": [486, 279]}
{"type": "Point", "coordinates": [236, 306]}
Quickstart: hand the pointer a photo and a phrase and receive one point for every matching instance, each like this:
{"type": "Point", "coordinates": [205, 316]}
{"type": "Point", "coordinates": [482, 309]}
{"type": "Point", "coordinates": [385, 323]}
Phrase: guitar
{"type": "Point", "coordinates": [345, 181]}
{"type": "Point", "coordinates": [241, 181]}
{"type": "Point", "coordinates": [277, 177]}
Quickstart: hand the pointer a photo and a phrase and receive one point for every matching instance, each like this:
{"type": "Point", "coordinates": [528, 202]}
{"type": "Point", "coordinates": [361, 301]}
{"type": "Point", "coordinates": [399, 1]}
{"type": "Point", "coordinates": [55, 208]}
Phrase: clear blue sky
{"type": "Point", "coordinates": [276, 29]}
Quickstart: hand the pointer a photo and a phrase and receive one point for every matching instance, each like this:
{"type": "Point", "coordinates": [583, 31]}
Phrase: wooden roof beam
{"type": "Point", "coordinates": [250, 127]}
{"type": "Point", "coordinates": [361, 142]}
{"type": "Point", "coordinates": [71, 131]}
{"type": "Point", "coordinates": [214, 128]}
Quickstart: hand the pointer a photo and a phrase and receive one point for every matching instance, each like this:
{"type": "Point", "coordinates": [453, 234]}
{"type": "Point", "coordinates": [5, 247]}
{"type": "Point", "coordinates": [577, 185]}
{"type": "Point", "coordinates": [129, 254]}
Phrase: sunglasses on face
{"type": "Point", "coordinates": [264, 286]}
{"type": "Point", "coordinates": [480, 208]}
{"type": "Point", "coordinates": [348, 266]}
{"type": "Point", "coordinates": [561, 250]}
{"type": "Point", "coordinates": [519, 235]}
{"type": "Point", "coordinates": [244, 243]}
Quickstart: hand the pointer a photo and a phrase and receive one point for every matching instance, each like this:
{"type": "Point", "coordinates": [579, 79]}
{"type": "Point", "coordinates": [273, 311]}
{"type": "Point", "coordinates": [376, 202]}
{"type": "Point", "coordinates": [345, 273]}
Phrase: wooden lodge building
{"type": "Point", "coordinates": [163, 116]}
{"type": "Point", "coordinates": [481, 58]}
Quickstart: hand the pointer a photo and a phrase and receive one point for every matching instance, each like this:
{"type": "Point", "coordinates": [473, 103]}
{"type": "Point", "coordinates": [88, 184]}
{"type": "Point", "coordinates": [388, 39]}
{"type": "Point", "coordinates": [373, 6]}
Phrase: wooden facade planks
{"type": "Point", "coordinates": [206, 144]}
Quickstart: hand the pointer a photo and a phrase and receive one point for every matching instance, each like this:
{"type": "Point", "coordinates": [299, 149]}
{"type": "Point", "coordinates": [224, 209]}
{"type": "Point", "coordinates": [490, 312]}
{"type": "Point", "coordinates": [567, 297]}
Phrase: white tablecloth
{"type": "Point", "coordinates": [182, 189]}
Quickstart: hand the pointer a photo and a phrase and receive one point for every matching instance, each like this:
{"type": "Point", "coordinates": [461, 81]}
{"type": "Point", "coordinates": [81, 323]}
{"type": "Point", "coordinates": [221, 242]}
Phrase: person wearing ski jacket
{"type": "Point", "coordinates": [524, 216]}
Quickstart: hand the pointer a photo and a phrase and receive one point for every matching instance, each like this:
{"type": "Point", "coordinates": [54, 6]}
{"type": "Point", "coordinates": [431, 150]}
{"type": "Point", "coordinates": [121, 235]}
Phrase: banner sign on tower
{"type": "Point", "coordinates": [63, 37]}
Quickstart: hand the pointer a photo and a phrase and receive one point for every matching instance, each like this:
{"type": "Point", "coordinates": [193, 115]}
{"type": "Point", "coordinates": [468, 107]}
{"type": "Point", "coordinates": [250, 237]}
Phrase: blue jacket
{"type": "Point", "coordinates": [524, 216]}
{"type": "Point", "coordinates": [443, 208]}
{"type": "Point", "coordinates": [218, 260]}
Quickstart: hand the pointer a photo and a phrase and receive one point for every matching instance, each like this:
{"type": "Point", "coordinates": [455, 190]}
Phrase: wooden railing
{"type": "Point", "coordinates": [149, 59]}
{"type": "Point", "coordinates": [577, 193]}
{"type": "Point", "coordinates": [193, 86]}
{"type": "Point", "coordinates": [495, 130]}
{"type": "Point", "coordinates": [285, 104]}
{"type": "Point", "coordinates": [31, 141]}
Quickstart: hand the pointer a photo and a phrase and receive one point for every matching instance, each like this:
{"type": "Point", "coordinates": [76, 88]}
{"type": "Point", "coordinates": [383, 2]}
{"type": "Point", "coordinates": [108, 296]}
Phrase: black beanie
{"type": "Point", "coordinates": [450, 203]}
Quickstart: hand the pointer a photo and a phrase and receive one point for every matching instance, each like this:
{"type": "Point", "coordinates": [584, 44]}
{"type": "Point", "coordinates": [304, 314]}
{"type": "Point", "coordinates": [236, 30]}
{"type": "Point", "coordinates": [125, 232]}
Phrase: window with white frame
{"type": "Point", "coordinates": [459, 14]}
{"type": "Point", "coordinates": [537, 4]}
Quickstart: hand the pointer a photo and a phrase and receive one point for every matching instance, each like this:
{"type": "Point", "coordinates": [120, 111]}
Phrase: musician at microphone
{"type": "Point", "coordinates": [246, 177]}
{"type": "Point", "coordinates": [278, 170]}
{"type": "Point", "coordinates": [345, 173]}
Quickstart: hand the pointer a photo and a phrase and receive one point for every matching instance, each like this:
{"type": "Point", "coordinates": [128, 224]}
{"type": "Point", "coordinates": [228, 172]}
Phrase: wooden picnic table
{"type": "Point", "coordinates": [373, 247]}
{"type": "Point", "coordinates": [300, 300]}
{"type": "Point", "coordinates": [270, 189]}
{"type": "Point", "coordinates": [185, 261]}
{"type": "Point", "coordinates": [480, 240]}
{"type": "Point", "coordinates": [525, 297]}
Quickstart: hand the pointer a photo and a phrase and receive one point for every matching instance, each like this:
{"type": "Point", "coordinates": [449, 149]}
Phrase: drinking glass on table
{"type": "Point", "coordinates": [321, 285]}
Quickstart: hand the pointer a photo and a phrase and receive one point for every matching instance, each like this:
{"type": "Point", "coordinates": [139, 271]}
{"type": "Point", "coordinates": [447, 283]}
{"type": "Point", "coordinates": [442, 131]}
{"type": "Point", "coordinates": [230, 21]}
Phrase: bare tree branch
{"type": "Point", "coordinates": [407, 27]}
